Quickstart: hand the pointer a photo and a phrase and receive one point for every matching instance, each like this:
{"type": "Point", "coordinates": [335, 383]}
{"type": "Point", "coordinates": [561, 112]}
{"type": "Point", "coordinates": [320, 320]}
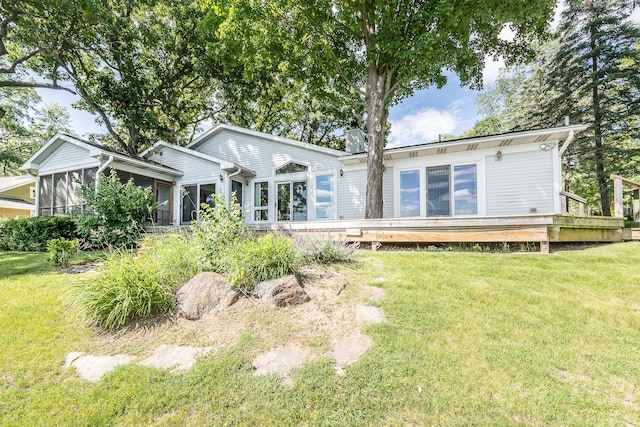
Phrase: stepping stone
{"type": "Point", "coordinates": [175, 357]}
{"type": "Point", "coordinates": [279, 361]}
{"type": "Point", "coordinates": [368, 314]}
{"type": "Point", "coordinates": [349, 350]}
{"type": "Point", "coordinates": [92, 368]}
{"type": "Point", "coordinates": [377, 294]}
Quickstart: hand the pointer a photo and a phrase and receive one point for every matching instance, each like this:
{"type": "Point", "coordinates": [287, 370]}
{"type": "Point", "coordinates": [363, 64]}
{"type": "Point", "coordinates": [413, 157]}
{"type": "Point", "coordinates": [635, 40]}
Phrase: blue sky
{"type": "Point", "coordinates": [418, 119]}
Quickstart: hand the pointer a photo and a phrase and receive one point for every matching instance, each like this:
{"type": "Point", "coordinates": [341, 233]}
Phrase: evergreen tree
{"type": "Point", "coordinates": [594, 79]}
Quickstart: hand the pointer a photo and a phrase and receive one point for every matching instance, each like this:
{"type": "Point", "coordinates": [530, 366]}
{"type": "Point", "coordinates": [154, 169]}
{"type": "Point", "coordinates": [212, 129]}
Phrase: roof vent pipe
{"type": "Point", "coordinates": [566, 120]}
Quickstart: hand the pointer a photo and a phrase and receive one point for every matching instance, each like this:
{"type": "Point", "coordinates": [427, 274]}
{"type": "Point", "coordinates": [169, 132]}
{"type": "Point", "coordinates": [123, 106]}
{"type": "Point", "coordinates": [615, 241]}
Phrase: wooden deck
{"type": "Point", "coordinates": [542, 229]}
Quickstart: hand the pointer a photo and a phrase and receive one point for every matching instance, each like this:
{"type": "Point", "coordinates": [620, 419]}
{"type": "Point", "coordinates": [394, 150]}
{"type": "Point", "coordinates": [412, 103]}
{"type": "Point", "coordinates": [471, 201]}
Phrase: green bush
{"type": "Point", "coordinates": [61, 251]}
{"type": "Point", "coordinates": [32, 234]}
{"type": "Point", "coordinates": [268, 257]}
{"type": "Point", "coordinates": [114, 213]}
{"type": "Point", "coordinates": [218, 233]}
{"type": "Point", "coordinates": [326, 251]}
{"type": "Point", "coordinates": [135, 285]}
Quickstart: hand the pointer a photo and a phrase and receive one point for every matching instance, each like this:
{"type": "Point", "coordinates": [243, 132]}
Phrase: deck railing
{"type": "Point", "coordinates": [566, 196]}
{"type": "Point", "coordinates": [617, 193]}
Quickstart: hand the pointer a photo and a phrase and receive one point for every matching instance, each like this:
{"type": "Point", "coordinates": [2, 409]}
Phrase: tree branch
{"type": "Point", "coordinates": [37, 85]}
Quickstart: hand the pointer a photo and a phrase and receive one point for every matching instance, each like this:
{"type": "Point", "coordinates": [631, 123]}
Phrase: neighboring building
{"type": "Point", "coordinates": [279, 180]}
{"type": "Point", "coordinates": [17, 196]}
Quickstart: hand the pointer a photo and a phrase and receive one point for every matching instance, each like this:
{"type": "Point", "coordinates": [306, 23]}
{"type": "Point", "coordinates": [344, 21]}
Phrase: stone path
{"type": "Point", "coordinates": [173, 357]}
{"type": "Point", "coordinates": [346, 351]}
{"type": "Point", "coordinates": [279, 361]}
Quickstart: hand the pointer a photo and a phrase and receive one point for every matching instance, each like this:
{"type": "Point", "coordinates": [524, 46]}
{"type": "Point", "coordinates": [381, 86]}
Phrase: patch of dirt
{"type": "Point", "coordinates": [314, 326]}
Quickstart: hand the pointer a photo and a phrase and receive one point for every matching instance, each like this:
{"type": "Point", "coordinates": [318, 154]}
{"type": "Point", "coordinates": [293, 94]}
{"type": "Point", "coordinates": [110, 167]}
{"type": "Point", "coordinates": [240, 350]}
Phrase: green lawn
{"type": "Point", "coordinates": [471, 339]}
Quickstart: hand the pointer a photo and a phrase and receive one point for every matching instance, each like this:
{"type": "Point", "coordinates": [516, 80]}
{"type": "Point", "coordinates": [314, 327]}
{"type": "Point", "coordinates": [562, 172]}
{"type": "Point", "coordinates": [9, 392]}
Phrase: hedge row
{"type": "Point", "coordinates": [32, 234]}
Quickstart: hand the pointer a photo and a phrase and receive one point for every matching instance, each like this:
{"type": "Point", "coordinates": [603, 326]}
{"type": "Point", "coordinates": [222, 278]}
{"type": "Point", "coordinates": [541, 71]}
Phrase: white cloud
{"type": "Point", "coordinates": [424, 126]}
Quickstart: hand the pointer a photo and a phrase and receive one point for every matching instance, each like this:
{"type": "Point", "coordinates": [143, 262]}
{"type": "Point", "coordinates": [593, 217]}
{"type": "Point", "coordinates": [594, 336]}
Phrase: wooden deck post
{"type": "Point", "coordinates": [617, 197]}
{"type": "Point", "coordinates": [544, 247]}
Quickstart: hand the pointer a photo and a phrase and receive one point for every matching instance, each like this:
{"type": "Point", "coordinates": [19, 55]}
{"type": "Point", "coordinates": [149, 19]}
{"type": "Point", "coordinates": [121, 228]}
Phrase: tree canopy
{"type": "Point", "coordinates": [384, 51]}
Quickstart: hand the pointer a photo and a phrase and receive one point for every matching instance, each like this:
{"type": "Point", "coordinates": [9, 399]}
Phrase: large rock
{"type": "Point", "coordinates": [281, 292]}
{"type": "Point", "coordinates": [204, 293]}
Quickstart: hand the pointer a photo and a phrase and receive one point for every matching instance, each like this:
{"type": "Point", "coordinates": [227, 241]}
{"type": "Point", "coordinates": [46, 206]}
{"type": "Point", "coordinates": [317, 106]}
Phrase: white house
{"type": "Point", "coordinates": [279, 180]}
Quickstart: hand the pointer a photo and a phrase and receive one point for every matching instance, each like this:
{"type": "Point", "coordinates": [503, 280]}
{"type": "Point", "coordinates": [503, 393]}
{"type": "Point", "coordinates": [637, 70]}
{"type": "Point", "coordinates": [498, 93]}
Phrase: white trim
{"type": "Point", "coordinates": [484, 140]}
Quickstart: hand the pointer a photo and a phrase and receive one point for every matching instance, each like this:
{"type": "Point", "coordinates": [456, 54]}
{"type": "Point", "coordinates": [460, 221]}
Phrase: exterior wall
{"type": "Point", "coordinates": [525, 181]}
{"type": "Point", "coordinates": [13, 213]}
{"type": "Point", "coordinates": [196, 171]}
{"type": "Point", "coordinates": [264, 156]}
{"type": "Point", "coordinates": [67, 157]}
{"type": "Point", "coordinates": [20, 193]}
{"type": "Point", "coordinates": [521, 183]}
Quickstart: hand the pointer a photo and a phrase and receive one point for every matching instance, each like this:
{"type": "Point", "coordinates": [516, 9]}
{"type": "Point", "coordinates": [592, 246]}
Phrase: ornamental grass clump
{"type": "Point", "coordinates": [326, 251]}
{"type": "Point", "coordinates": [268, 257]}
{"type": "Point", "coordinates": [135, 285]}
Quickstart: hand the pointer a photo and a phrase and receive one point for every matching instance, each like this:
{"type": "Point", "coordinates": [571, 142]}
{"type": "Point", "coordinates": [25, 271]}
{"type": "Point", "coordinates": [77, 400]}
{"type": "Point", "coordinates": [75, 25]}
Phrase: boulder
{"type": "Point", "coordinates": [205, 293]}
{"type": "Point", "coordinates": [281, 292]}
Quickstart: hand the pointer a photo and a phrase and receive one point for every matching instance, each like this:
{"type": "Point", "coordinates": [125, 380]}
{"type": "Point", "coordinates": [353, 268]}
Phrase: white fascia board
{"type": "Point", "coordinates": [476, 140]}
{"type": "Point", "coordinates": [33, 163]}
{"type": "Point", "coordinates": [144, 165]}
{"type": "Point", "coordinates": [17, 182]}
{"type": "Point", "coordinates": [220, 127]}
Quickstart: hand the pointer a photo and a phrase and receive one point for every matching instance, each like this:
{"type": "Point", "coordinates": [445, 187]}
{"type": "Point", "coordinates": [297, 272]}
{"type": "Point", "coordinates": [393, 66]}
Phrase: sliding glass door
{"type": "Point", "coordinates": [292, 201]}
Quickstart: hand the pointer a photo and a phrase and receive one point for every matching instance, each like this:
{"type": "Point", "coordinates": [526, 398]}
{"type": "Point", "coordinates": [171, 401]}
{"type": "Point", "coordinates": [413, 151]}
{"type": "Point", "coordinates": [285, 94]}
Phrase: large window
{"type": "Point", "coordinates": [441, 194]}
{"type": "Point", "coordinates": [325, 196]}
{"type": "Point", "coordinates": [292, 201]}
{"type": "Point", "coordinates": [261, 201]}
{"type": "Point", "coordinates": [465, 190]}
{"type": "Point", "coordinates": [193, 196]}
{"type": "Point", "coordinates": [410, 193]}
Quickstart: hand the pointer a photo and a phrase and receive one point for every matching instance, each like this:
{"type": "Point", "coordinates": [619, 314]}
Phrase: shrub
{"type": "Point", "coordinates": [326, 251]}
{"type": "Point", "coordinates": [114, 212]}
{"type": "Point", "coordinates": [61, 251]}
{"type": "Point", "coordinates": [135, 285]}
{"type": "Point", "coordinates": [268, 257]}
{"type": "Point", "coordinates": [32, 234]}
{"type": "Point", "coordinates": [220, 230]}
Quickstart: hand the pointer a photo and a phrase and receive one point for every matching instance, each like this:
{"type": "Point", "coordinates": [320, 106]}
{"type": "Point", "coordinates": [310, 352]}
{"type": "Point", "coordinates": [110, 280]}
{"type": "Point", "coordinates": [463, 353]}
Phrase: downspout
{"type": "Point", "coordinates": [566, 143]}
{"type": "Point", "coordinates": [37, 207]}
{"type": "Point", "coordinates": [101, 169]}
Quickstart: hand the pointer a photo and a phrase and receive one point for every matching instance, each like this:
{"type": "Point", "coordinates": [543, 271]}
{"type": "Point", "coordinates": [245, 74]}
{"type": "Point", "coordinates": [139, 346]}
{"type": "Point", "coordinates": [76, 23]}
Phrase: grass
{"type": "Point", "coordinates": [471, 338]}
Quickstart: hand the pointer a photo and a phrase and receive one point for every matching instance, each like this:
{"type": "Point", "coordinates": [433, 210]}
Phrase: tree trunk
{"type": "Point", "coordinates": [377, 114]}
{"type": "Point", "coordinates": [601, 177]}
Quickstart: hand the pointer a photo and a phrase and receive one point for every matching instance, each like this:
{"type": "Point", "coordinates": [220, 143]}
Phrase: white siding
{"type": "Point", "coordinates": [387, 193]}
{"type": "Point", "coordinates": [195, 170]}
{"type": "Point", "coordinates": [351, 194]}
{"type": "Point", "coordinates": [67, 157]}
{"type": "Point", "coordinates": [263, 155]}
{"type": "Point", "coordinates": [520, 183]}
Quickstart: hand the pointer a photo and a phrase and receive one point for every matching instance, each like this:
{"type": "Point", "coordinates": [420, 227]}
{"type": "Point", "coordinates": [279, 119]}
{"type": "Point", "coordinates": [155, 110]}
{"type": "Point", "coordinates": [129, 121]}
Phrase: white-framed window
{"type": "Point", "coordinates": [261, 201]}
{"type": "Point", "coordinates": [452, 190]}
{"type": "Point", "coordinates": [410, 193]}
{"type": "Point", "coordinates": [325, 196]}
{"type": "Point", "coordinates": [291, 167]}
{"type": "Point", "coordinates": [193, 196]}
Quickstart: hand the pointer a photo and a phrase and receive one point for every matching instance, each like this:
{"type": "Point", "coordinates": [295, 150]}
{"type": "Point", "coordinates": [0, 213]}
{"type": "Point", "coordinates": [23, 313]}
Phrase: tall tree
{"type": "Point", "coordinates": [32, 35]}
{"type": "Point", "coordinates": [594, 79]}
{"type": "Point", "coordinates": [384, 50]}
